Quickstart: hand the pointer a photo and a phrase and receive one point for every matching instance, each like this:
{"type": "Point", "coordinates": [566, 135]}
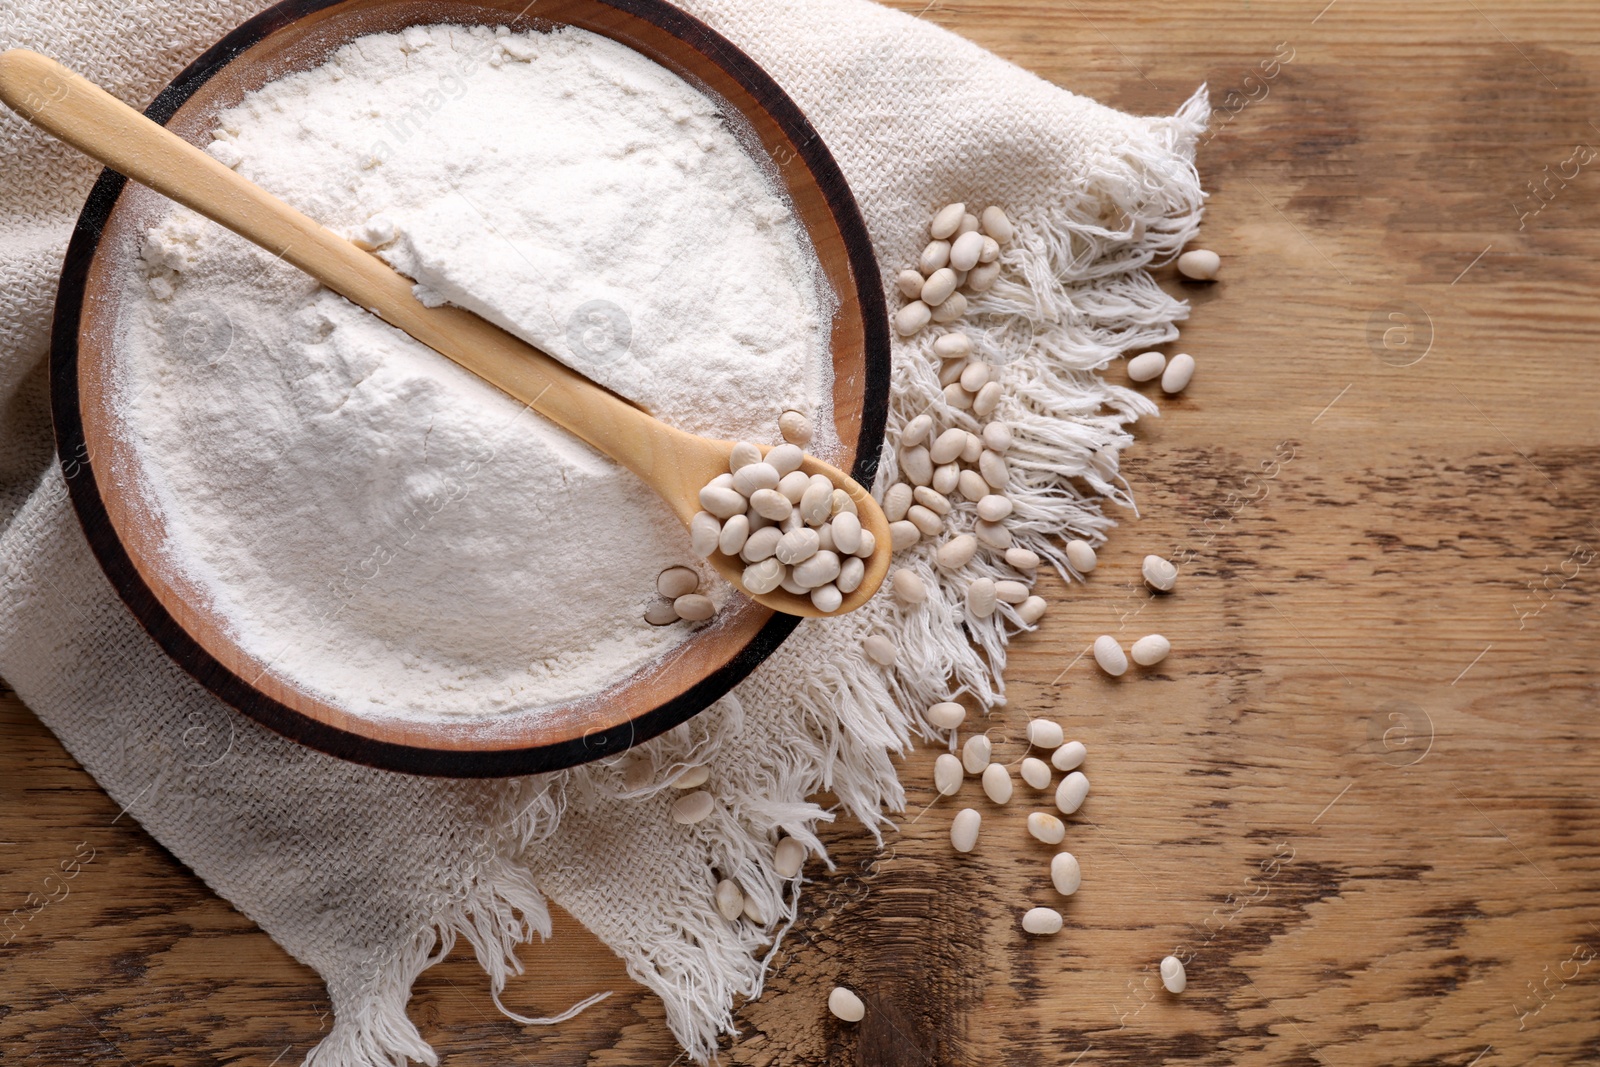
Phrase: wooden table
{"type": "Point", "coordinates": [1358, 797]}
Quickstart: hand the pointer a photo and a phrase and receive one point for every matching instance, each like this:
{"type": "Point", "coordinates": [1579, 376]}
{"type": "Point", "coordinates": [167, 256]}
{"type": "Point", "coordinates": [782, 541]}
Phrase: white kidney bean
{"type": "Point", "coordinates": [908, 587]}
{"type": "Point", "coordinates": [956, 552]}
{"type": "Point", "coordinates": [981, 597]}
{"type": "Point", "coordinates": [935, 255]}
{"type": "Point", "coordinates": [964, 830]}
{"type": "Point", "coordinates": [661, 613]}
{"type": "Point", "coordinates": [846, 1006]}
{"type": "Point", "coordinates": [966, 249]}
{"type": "Point", "coordinates": [946, 476]}
{"type": "Point", "coordinates": [1159, 574]}
{"type": "Point", "coordinates": [950, 373]}
{"type": "Point", "coordinates": [911, 318]}
{"type": "Point", "coordinates": [1146, 365]}
{"type": "Point", "coordinates": [976, 754]}
{"type": "Point", "coordinates": [843, 504]}
{"type": "Point", "coordinates": [1022, 559]}
{"type": "Point", "coordinates": [1110, 656]}
{"type": "Point", "coordinates": [996, 225]}
{"type": "Point", "coordinates": [730, 900]}
{"type": "Point", "coordinates": [1010, 592]}
{"type": "Point", "coordinates": [948, 445]}
{"type": "Point", "coordinates": [909, 283]}
{"type": "Point", "coordinates": [1173, 975]}
{"type": "Point", "coordinates": [987, 400]}
{"type": "Point", "coordinates": [981, 279]}
{"type": "Point", "coordinates": [785, 459]}
{"type": "Point", "coordinates": [1200, 264]}
{"type": "Point", "coordinates": [788, 857]}
{"type": "Point", "coordinates": [1082, 556]}
{"type": "Point", "coordinates": [851, 574]}
{"type": "Point", "coordinates": [994, 507]}
{"type": "Point", "coordinates": [734, 534]}
{"type": "Point", "coordinates": [997, 784]}
{"type": "Point", "coordinates": [947, 775]}
{"type": "Point", "coordinates": [1032, 610]}
{"type": "Point", "coordinates": [937, 289]}
{"type": "Point", "coordinates": [902, 535]}
{"type": "Point", "coordinates": [754, 910]}
{"type": "Point", "coordinates": [825, 537]}
{"type": "Point", "coordinates": [740, 456]}
{"type": "Point", "coordinates": [818, 569]}
{"type": "Point", "coordinates": [972, 486]}
{"type": "Point", "coordinates": [1150, 650]}
{"type": "Point", "coordinates": [792, 486]}
{"type": "Point", "coordinates": [827, 598]}
{"type": "Point", "coordinates": [674, 582]}
{"type": "Point", "coordinates": [972, 449]}
{"type": "Point", "coordinates": [789, 585]}
{"type": "Point", "coordinates": [694, 607]}
{"type": "Point", "coordinates": [947, 715]}
{"type": "Point", "coordinates": [723, 503]}
{"type": "Point", "coordinates": [952, 345]}
{"type": "Point", "coordinates": [1042, 733]}
{"type": "Point", "coordinates": [797, 545]}
{"type": "Point", "coordinates": [1071, 792]}
{"type": "Point", "coordinates": [953, 307]}
{"type": "Point", "coordinates": [880, 650]}
{"type": "Point", "coordinates": [1065, 873]}
{"type": "Point", "coordinates": [969, 223]}
{"type": "Point", "coordinates": [957, 397]}
{"type": "Point", "coordinates": [997, 437]}
{"type": "Point", "coordinates": [1179, 370]}
{"type": "Point", "coordinates": [1046, 827]}
{"type": "Point", "coordinates": [932, 499]}
{"type": "Point", "coordinates": [990, 251]}
{"type": "Point", "coordinates": [917, 465]}
{"type": "Point", "coordinates": [916, 431]}
{"type": "Point", "coordinates": [753, 476]}
{"type": "Point", "coordinates": [924, 519]}
{"type": "Point", "coordinates": [846, 533]}
{"type": "Point", "coordinates": [869, 544]}
{"type": "Point", "coordinates": [770, 504]}
{"type": "Point", "coordinates": [761, 544]}
{"type": "Point", "coordinates": [692, 807]}
{"type": "Point", "coordinates": [1036, 772]}
{"type": "Point", "coordinates": [692, 777]}
{"type": "Point", "coordinates": [947, 220]}
{"type": "Point", "coordinates": [1069, 757]}
{"type": "Point", "coordinates": [995, 470]}
{"type": "Point", "coordinates": [974, 376]}
{"type": "Point", "coordinates": [1042, 921]}
{"type": "Point", "coordinates": [896, 500]}
{"type": "Point", "coordinates": [763, 576]}
{"type": "Point", "coordinates": [992, 534]}
{"type": "Point", "coordinates": [816, 503]}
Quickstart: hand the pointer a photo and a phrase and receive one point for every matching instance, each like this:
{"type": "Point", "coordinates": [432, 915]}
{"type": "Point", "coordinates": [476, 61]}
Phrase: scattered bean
{"type": "Point", "coordinates": [981, 597]}
{"type": "Point", "coordinates": [971, 485]}
{"type": "Point", "coordinates": [969, 223]}
{"type": "Point", "coordinates": [973, 448]}
{"type": "Point", "coordinates": [956, 552]}
{"type": "Point", "coordinates": [947, 775]}
{"type": "Point", "coordinates": [990, 251]}
{"type": "Point", "coordinates": [661, 613]}
{"type": "Point", "coordinates": [1042, 921]}
{"type": "Point", "coordinates": [1046, 827]}
{"type": "Point", "coordinates": [966, 249]}
{"type": "Point", "coordinates": [947, 220]}
{"type": "Point", "coordinates": [908, 587]}
{"type": "Point", "coordinates": [911, 318]}
{"type": "Point", "coordinates": [946, 477]}
{"type": "Point", "coordinates": [1042, 733]}
{"type": "Point", "coordinates": [1179, 370]}
{"type": "Point", "coordinates": [934, 256]}
{"type": "Point", "coordinates": [996, 225]}
{"type": "Point", "coordinates": [1071, 792]}
{"type": "Point", "coordinates": [964, 830]}
{"type": "Point", "coordinates": [902, 535]}
{"type": "Point", "coordinates": [1146, 366]}
{"type": "Point", "coordinates": [1200, 264]}
{"type": "Point", "coordinates": [992, 534]}
{"type": "Point", "coordinates": [981, 279]}
{"type": "Point", "coordinates": [674, 582]}
{"type": "Point", "coordinates": [755, 911]}
{"type": "Point", "coordinates": [952, 345]}
{"type": "Point", "coordinates": [937, 289]}
{"type": "Point", "coordinates": [1065, 873]}
{"type": "Point", "coordinates": [997, 784]}
{"type": "Point", "coordinates": [788, 857]}
{"type": "Point", "coordinates": [924, 519]}
{"type": "Point", "coordinates": [994, 507]}
{"type": "Point", "coordinates": [1032, 610]}
{"type": "Point", "coordinates": [730, 900]}
{"type": "Point", "coordinates": [987, 400]}
{"type": "Point", "coordinates": [917, 465]}
{"type": "Point", "coordinates": [1173, 975]}
{"type": "Point", "coordinates": [1036, 772]}
{"type": "Point", "coordinates": [880, 650]}
{"type": "Point", "coordinates": [953, 307]}
{"type": "Point", "coordinates": [1110, 656]}
{"type": "Point", "coordinates": [896, 500]}
{"type": "Point", "coordinates": [909, 283]}
{"type": "Point", "coordinates": [1150, 650]}
{"type": "Point", "coordinates": [974, 376]}
{"type": "Point", "coordinates": [916, 431]}
{"type": "Point", "coordinates": [950, 373]}
{"type": "Point", "coordinates": [976, 753]}
{"type": "Point", "coordinates": [1022, 559]}
{"type": "Point", "coordinates": [957, 397]}
{"type": "Point", "coordinates": [1069, 757]}
{"type": "Point", "coordinates": [1159, 574]}
{"type": "Point", "coordinates": [1081, 555]}
{"type": "Point", "coordinates": [846, 1006]}
{"type": "Point", "coordinates": [993, 467]}
{"type": "Point", "coordinates": [948, 445]}
{"type": "Point", "coordinates": [694, 607]}
{"type": "Point", "coordinates": [1010, 592]}
{"type": "Point", "coordinates": [692, 807]}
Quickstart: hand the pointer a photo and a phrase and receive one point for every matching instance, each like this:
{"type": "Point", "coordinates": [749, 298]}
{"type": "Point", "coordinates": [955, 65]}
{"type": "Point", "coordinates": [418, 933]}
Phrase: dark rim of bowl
{"type": "Point", "coordinates": [78, 469]}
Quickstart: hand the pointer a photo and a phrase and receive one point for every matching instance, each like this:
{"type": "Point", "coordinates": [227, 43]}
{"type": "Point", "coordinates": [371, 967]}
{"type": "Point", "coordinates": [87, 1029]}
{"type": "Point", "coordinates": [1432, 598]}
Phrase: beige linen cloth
{"type": "Point", "coordinates": [369, 876]}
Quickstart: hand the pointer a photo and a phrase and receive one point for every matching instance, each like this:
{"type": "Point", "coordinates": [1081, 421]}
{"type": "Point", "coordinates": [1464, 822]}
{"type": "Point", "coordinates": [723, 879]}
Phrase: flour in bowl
{"type": "Point", "coordinates": [382, 528]}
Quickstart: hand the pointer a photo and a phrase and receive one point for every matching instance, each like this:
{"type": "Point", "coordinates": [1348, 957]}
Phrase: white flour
{"type": "Point", "coordinates": [380, 526]}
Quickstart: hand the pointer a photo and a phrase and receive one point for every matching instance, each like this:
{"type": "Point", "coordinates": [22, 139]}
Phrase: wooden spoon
{"type": "Point", "coordinates": [673, 463]}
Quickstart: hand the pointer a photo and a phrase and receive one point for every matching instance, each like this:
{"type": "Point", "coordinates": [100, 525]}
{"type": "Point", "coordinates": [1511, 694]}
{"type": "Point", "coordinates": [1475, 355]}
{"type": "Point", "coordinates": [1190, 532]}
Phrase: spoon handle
{"type": "Point", "coordinates": [98, 124]}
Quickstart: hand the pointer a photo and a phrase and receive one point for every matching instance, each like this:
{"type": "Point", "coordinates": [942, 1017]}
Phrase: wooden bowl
{"type": "Point", "coordinates": [125, 528]}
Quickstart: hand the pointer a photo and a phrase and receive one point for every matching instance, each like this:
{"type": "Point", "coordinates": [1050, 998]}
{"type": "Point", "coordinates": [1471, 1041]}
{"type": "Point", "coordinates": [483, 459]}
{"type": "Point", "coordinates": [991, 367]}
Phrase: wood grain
{"type": "Point", "coordinates": [1358, 795]}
